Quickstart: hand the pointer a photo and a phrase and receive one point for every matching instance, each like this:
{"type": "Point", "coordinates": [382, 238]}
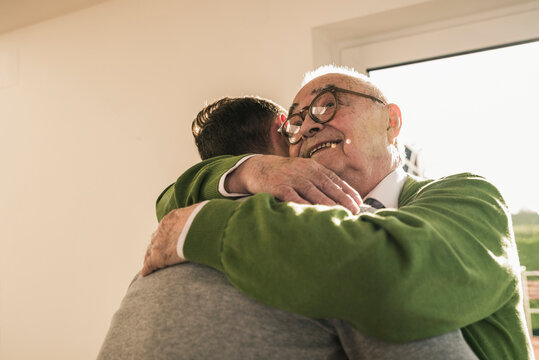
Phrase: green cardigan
{"type": "Point", "coordinates": [446, 259]}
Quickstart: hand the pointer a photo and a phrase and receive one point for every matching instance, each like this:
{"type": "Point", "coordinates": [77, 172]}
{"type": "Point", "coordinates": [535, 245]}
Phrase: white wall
{"type": "Point", "coordinates": [95, 109]}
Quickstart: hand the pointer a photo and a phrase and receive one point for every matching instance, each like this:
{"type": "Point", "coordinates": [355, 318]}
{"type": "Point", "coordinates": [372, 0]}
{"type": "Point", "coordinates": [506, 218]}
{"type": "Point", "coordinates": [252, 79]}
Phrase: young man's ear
{"type": "Point", "coordinates": [278, 142]}
{"type": "Point", "coordinates": [395, 122]}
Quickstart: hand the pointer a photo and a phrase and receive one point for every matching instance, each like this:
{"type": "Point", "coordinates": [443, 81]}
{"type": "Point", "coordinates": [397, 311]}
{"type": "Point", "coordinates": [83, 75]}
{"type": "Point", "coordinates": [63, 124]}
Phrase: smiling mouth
{"type": "Point", "coordinates": [326, 145]}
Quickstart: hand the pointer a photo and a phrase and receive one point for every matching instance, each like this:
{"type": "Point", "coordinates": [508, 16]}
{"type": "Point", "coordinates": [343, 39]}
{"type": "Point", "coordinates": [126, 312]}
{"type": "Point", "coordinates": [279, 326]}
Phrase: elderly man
{"type": "Point", "coordinates": [440, 256]}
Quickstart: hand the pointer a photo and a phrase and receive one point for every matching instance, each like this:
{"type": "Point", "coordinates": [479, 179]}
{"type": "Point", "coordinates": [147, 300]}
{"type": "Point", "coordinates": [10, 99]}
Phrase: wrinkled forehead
{"type": "Point", "coordinates": [314, 87]}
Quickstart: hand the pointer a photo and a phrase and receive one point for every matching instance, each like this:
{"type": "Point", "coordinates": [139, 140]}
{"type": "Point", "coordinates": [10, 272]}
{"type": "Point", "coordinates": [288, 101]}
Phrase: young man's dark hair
{"type": "Point", "coordinates": [235, 126]}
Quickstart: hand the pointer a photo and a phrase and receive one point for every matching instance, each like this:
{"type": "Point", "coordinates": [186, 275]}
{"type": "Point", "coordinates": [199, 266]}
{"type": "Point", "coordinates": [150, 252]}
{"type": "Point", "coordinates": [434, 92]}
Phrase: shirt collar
{"type": "Point", "coordinates": [388, 190]}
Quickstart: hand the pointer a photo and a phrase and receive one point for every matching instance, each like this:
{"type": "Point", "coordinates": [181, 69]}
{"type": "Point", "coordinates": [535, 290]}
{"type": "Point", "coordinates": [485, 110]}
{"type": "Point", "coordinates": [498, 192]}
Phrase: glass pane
{"type": "Point", "coordinates": [478, 113]}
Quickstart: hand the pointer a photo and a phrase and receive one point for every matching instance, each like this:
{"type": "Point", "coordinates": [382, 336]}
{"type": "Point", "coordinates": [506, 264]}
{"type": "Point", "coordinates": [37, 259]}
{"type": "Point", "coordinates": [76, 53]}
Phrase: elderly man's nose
{"type": "Point", "coordinates": [310, 127]}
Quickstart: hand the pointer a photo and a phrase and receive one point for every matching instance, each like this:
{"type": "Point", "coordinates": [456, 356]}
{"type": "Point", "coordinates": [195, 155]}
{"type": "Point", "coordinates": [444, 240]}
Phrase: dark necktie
{"type": "Point", "coordinates": [374, 203]}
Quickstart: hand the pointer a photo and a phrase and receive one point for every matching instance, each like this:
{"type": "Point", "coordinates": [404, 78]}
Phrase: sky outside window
{"type": "Point", "coordinates": [474, 113]}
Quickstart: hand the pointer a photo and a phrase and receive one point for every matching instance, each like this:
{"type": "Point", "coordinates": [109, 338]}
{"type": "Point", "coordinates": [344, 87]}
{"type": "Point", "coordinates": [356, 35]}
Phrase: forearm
{"type": "Point", "coordinates": [200, 182]}
{"type": "Point", "coordinates": [302, 181]}
{"type": "Point", "coordinates": [395, 267]}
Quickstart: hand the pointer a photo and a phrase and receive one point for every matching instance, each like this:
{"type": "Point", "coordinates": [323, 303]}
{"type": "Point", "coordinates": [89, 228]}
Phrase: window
{"type": "Point", "coordinates": [477, 112]}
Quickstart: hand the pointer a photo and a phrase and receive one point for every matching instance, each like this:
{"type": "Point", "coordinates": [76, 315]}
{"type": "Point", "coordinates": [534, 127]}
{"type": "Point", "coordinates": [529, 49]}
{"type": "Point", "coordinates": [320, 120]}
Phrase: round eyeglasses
{"type": "Point", "coordinates": [322, 109]}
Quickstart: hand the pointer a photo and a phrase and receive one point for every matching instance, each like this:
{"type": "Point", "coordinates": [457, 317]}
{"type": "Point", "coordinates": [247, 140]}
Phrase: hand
{"type": "Point", "coordinates": [162, 250]}
{"type": "Point", "coordinates": [303, 181]}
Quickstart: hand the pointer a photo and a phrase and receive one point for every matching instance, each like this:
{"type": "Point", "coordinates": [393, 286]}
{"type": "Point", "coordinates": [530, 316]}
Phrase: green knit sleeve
{"type": "Point", "coordinates": [198, 183]}
{"type": "Point", "coordinates": [444, 260]}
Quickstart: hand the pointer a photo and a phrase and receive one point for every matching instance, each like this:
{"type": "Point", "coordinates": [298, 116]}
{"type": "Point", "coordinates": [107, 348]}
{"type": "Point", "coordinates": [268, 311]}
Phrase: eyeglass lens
{"type": "Point", "coordinates": [321, 110]}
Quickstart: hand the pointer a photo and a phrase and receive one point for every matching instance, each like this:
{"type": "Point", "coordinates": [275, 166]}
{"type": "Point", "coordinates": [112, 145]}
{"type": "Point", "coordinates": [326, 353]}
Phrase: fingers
{"type": "Point", "coordinates": [163, 248]}
{"type": "Point", "coordinates": [148, 267]}
{"type": "Point", "coordinates": [151, 260]}
{"type": "Point", "coordinates": [321, 191]}
{"type": "Point", "coordinates": [310, 191]}
{"type": "Point", "coordinates": [161, 252]}
{"type": "Point", "coordinates": [299, 180]}
{"type": "Point", "coordinates": [327, 192]}
{"type": "Point", "coordinates": [350, 191]}
{"type": "Point", "coordinates": [288, 193]}
{"type": "Point", "coordinates": [341, 192]}
{"type": "Point", "coordinates": [157, 258]}
{"type": "Point", "coordinates": [324, 187]}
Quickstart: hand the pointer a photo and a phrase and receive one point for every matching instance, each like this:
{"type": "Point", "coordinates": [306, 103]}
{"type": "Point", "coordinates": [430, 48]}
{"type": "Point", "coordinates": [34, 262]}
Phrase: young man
{"type": "Point", "coordinates": [231, 126]}
{"type": "Point", "coordinates": [439, 258]}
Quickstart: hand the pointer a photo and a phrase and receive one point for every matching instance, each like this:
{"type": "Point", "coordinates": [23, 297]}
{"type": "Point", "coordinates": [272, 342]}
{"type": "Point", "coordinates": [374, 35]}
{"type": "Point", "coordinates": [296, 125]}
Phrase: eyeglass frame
{"type": "Point", "coordinates": [331, 89]}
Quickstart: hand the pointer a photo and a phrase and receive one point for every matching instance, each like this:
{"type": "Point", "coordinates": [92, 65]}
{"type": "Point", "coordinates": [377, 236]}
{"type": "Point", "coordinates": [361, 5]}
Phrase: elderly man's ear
{"type": "Point", "coordinates": [394, 122]}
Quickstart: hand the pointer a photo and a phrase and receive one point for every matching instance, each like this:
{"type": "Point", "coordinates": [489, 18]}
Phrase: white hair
{"type": "Point", "coordinates": [347, 71]}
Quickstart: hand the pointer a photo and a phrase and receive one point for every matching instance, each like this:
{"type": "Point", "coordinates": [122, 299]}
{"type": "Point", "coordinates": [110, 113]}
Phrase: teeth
{"type": "Point", "coordinates": [322, 146]}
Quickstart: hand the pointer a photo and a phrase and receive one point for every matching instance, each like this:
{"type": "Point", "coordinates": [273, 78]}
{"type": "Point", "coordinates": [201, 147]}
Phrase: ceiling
{"type": "Point", "coordinates": [15, 14]}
